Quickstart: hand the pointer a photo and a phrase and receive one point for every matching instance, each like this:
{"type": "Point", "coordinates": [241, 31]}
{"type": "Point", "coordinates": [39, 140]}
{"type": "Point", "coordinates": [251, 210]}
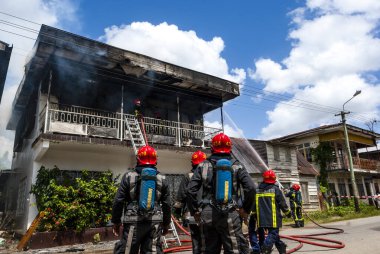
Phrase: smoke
{"type": "Point", "coordinates": [50, 12]}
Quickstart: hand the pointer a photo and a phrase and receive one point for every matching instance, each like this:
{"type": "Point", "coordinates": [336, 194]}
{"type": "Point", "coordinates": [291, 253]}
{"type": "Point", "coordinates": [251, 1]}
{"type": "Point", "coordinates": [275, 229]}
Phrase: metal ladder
{"type": "Point", "coordinates": [175, 237]}
{"type": "Point", "coordinates": [137, 139]}
{"type": "Point", "coordinates": [135, 133]}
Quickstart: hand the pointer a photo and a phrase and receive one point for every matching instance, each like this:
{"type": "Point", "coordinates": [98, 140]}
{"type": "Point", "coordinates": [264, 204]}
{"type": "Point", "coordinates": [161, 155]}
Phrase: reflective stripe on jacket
{"type": "Point", "coordinates": [269, 203]}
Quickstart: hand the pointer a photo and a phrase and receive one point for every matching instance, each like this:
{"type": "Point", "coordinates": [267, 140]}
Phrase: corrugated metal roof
{"type": "Point", "coordinates": [304, 167]}
{"type": "Point", "coordinates": [242, 150]}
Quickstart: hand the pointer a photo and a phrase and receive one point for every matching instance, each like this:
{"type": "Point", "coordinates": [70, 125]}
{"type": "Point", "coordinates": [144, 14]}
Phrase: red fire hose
{"type": "Point", "coordinates": [301, 239]}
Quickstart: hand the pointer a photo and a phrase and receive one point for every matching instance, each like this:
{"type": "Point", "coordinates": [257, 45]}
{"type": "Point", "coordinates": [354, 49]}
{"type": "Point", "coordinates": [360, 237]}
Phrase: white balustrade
{"type": "Point", "coordinates": [91, 122]}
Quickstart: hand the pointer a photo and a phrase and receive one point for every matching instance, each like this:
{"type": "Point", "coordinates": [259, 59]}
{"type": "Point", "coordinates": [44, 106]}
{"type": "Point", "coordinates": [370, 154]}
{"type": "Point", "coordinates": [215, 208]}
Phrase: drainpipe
{"type": "Point", "coordinates": [47, 103]}
{"type": "Point", "coordinates": [178, 124]}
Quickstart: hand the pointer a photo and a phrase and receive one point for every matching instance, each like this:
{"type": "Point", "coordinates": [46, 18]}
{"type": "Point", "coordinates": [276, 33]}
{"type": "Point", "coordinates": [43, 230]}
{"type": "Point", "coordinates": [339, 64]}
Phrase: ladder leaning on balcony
{"type": "Point", "coordinates": [135, 133]}
{"type": "Point", "coordinates": [138, 140]}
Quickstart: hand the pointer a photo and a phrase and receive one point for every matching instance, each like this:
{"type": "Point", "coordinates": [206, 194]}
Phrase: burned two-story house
{"type": "Point", "coordinates": [75, 109]}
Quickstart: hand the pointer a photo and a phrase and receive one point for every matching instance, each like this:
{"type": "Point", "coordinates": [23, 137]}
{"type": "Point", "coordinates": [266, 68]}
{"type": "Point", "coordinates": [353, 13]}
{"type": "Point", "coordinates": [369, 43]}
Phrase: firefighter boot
{"type": "Point", "coordinates": [297, 224]}
{"type": "Point", "coordinates": [281, 248]}
{"type": "Point", "coordinates": [266, 249]}
{"type": "Point", "coordinates": [302, 223]}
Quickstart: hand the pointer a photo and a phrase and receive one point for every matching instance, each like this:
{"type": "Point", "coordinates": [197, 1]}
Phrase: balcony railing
{"type": "Point", "coordinates": [359, 163]}
{"type": "Point", "coordinates": [76, 120]}
{"type": "Point", "coordinates": [366, 164]}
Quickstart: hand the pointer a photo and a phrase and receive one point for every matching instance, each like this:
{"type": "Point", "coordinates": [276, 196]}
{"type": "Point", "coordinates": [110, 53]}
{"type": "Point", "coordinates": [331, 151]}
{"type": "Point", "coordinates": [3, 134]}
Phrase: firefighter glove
{"type": "Point", "coordinates": [165, 230]}
{"type": "Point", "coordinates": [116, 229]}
{"type": "Point", "coordinates": [244, 215]}
{"type": "Point", "coordinates": [197, 217]}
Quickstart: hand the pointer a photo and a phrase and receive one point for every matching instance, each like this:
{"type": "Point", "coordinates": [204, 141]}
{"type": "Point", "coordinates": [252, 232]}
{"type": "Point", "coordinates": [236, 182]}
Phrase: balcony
{"type": "Point", "coordinates": [74, 120]}
{"type": "Point", "coordinates": [341, 162]}
{"type": "Point", "coordinates": [366, 164]}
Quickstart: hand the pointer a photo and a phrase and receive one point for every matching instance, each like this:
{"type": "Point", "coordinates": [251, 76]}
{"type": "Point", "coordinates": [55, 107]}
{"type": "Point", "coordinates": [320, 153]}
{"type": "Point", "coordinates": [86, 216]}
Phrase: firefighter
{"type": "Point", "coordinates": [269, 203]}
{"type": "Point", "coordinates": [222, 179]}
{"type": "Point", "coordinates": [180, 205]}
{"type": "Point", "coordinates": [144, 195]}
{"type": "Point", "coordinates": [137, 108]}
{"type": "Point", "coordinates": [295, 200]}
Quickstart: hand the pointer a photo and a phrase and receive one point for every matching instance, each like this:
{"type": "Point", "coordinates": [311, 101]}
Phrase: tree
{"type": "Point", "coordinates": [324, 156]}
{"type": "Point", "coordinates": [370, 124]}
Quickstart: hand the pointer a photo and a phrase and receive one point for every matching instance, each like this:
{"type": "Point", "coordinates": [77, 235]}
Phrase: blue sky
{"type": "Point", "coordinates": [297, 61]}
{"type": "Point", "coordinates": [250, 30]}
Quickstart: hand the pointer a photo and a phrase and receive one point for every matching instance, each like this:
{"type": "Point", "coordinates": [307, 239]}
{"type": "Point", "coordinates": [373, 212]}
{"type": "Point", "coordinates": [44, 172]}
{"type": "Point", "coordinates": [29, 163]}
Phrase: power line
{"type": "Point", "coordinates": [10, 15]}
{"type": "Point", "coordinates": [18, 26]}
{"type": "Point", "coordinates": [120, 77]}
{"type": "Point", "coordinates": [17, 34]}
{"type": "Point", "coordinates": [276, 97]}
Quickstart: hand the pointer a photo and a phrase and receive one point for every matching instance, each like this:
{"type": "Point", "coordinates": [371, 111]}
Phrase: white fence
{"type": "Point", "coordinates": [90, 122]}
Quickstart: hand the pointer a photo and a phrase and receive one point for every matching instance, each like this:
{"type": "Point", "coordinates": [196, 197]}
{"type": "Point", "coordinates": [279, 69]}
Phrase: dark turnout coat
{"type": "Point", "coordinates": [269, 202]}
{"type": "Point", "coordinates": [199, 180]}
{"type": "Point", "coordinates": [295, 198]}
{"type": "Point", "coordinates": [123, 199]}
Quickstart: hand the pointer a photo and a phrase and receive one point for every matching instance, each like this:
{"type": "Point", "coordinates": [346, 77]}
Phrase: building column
{"type": "Point", "coordinates": [178, 124]}
{"type": "Point", "coordinates": [337, 155]}
{"type": "Point", "coordinates": [372, 188]}
{"type": "Point", "coordinates": [336, 187]}
{"type": "Point", "coordinates": [347, 187]}
{"type": "Point", "coordinates": [364, 187]}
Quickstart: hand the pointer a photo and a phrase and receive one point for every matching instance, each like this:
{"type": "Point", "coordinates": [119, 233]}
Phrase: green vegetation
{"type": "Point", "coordinates": [74, 203]}
{"type": "Point", "coordinates": [324, 156]}
{"type": "Point", "coordinates": [339, 213]}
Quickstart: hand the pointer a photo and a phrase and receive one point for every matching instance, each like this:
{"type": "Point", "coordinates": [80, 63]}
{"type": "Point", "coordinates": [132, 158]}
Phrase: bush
{"type": "Point", "coordinates": [344, 212]}
{"type": "Point", "coordinates": [74, 203]}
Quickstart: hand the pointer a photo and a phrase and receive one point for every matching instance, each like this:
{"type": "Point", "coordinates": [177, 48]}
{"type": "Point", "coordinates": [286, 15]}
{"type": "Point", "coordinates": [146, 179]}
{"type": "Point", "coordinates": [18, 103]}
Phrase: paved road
{"type": "Point", "coordinates": [361, 236]}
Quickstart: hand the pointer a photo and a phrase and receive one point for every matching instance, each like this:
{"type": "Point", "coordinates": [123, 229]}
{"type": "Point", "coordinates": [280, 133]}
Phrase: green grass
{"type": "Point", "coordinates": [340, 213]}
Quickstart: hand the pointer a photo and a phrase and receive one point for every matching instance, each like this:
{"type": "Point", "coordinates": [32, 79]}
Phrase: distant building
{"type": "Point", "coordinates": [366, 164]}
{"type": "Point", "coordinates": [285, 160]}
{"type": "Point", "coordinates": [75, 109]}
{"type": "Point", "coordinates": [5, 56]}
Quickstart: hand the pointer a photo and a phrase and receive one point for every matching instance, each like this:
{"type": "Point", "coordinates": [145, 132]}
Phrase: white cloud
{"type": "Point", "coordinates": [228, 129]}
{"type": "Point", "coordinates": [370, 8]}
{"type": "Point", "coordinates": [49, 12]}
{"type": "Point", "coordinates": [258, 98]}
{"type": "Point", "coordinates": [333, 54]}
{"type": "Point", "coordinates": [168, 43]}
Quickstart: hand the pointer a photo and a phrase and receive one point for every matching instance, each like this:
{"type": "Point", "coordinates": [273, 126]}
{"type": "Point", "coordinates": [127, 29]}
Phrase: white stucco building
{"type": "Point", "coordinates": [74, 109]}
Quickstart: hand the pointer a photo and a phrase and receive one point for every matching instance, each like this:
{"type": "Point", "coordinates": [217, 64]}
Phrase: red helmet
{"type": "Point", "coordinates": [137, 101]}
{"type": "Point", "coordinates": [146, 156]}
{"type": "Point", "coordinates": [269, 176]}
{"type": "Point", "coordinates": [197, 157]}
{"type": "Point", "coordinates": [296, 187]}
{"type": "Point", "coordinates": [221, 143]}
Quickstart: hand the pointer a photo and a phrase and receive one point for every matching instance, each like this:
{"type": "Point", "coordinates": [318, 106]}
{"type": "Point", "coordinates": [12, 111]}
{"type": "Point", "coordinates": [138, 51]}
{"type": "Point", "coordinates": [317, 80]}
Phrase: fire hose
{"type": "Point", "coordinates": [330, 243]}
{"type": "Point", "coordinates": [301, 239]}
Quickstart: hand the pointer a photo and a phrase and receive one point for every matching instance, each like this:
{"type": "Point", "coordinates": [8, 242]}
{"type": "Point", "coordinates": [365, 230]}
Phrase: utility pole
{"type": "Point", "coordinates": [351, 164]}
{"type": "Point", "coordinates": [343, 114]}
